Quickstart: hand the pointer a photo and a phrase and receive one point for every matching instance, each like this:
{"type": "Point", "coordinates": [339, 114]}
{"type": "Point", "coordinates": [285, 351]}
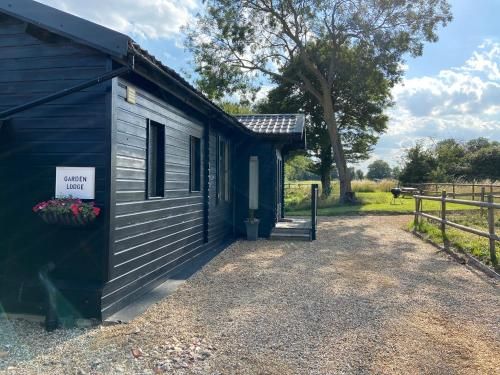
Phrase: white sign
{"type": "Point", "coordinates": [75, 182]}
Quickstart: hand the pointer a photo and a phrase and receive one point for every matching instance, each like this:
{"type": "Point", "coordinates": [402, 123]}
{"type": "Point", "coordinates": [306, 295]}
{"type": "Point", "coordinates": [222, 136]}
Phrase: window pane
{"type": "Point", "coordinates": [226, 172]}
{"type": "Point", "coordinates": [156, 160]}
{"type": "Point", "coordinates": [195, 164]}
{"type": "Point", "coordinates": [222, 176]}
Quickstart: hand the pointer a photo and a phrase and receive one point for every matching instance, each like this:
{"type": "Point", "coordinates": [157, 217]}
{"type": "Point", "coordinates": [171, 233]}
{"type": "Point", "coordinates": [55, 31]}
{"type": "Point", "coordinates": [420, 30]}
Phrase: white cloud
{"type": "Point", "coordinates": [146, 19]}
{"type": "Point", "coordinates": [461, 102]}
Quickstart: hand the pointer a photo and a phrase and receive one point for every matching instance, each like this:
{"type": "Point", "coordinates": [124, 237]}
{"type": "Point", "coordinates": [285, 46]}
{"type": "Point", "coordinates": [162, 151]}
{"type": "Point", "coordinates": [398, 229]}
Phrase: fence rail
{"type": "Point", "coordinates": [490, 205]}
{"type": "Point", "coordinates": [476, 190]}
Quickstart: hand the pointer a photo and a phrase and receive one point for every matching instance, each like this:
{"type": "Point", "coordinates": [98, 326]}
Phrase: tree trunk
{"type": "Point", "coordinates": [326, 183]}
{"type": "Point", "coordinates": [346, 194]}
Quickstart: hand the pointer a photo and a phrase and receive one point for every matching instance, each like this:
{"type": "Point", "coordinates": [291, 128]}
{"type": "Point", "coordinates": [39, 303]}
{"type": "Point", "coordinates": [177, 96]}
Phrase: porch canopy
{"type": "Point", "coordinates": [283, 128]}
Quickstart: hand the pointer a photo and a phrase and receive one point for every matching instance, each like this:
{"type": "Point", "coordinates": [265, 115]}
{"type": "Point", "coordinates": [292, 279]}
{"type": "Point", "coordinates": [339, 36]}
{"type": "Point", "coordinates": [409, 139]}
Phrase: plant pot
{"type": "Point", "coordinates": [252, 229]}
{"type": "Point", "coordinates": [66, 220]}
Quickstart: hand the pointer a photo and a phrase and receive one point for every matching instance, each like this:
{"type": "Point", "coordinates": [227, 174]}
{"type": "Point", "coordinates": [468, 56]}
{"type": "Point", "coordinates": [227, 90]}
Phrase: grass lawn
{"type": "Point", "coordinates": [370, 203]}
{"type": "Point", "coordinates": [463, 241]}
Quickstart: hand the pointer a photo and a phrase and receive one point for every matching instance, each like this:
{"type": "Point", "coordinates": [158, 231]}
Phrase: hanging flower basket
{"type": "Point", "coordinates": [67, 212]}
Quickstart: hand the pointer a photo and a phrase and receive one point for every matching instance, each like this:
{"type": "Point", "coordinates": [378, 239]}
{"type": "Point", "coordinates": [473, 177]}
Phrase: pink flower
{"type": "Point", "coordinates": [75, 209]}
{"type": "Point", "coordinates": [40, 206]}
{"type": "Point", "coordinates": [96, 211]}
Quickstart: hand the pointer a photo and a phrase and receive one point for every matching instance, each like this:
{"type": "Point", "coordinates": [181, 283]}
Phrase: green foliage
{"type": "Point", "coordinates": [378, 170]}
{"type": "Point", "coordinates": [449, 155]}
{"type": "Point", "coordinates": [237, 108]}
{"type": "Point", "coordinates": [359, 174]}
{"type": "Point", "coordinates": [234, 38]}
{"type": "Point", "coordinates": [463, 241]}
{"type": "Point", "coordinates": [419, 164]}
{"type": "Point", "coordinates": [68, 206]}
{"type": "Point", "coordinates": [484, 163]}
{"type": "Point", "coordinates": [449, 160]}
{"type": "Point", "coordinates": [396, 172]}
{"type": "Point", "coordinates": [298, 167]}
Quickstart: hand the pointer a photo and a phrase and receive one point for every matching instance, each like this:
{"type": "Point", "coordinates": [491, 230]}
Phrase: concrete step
{"type": "Point", "coordinates": [290, 236]}
{"type": "Point", "coordinates": [292, 230]}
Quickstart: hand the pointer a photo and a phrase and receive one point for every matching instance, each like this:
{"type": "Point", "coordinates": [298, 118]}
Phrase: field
{"type": "Point", "coordinates": [373, 197]}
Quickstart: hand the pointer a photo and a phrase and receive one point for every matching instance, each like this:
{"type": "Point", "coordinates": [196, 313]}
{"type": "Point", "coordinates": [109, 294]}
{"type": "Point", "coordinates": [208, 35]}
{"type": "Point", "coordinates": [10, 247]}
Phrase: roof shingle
{"type": "Point", "coordinates": [278, 124]}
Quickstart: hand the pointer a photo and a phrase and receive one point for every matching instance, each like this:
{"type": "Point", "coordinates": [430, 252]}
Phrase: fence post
{"type": "Point", "coordinates": [482, 200]}
{"type": "Point", "coordinates": [314, 210]}
{"type": "Point", "coordinates": [491, 226]}
{"type": "Point", "coordinates": [443, 219]}
{"type": "Point", "coordinates": [454, 191]}
{"type": "Point", "coordinates": [415, 220]}
{"type": "Point", "coordinates": [473, 191]}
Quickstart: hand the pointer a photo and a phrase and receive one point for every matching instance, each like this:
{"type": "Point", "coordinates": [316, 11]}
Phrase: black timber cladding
{"type": "Point", "coordinates": [137, 241]}
{"type": "Point", "coordinates": [153, 237]}
{"type": "Point", "coordinates": [71, 131]}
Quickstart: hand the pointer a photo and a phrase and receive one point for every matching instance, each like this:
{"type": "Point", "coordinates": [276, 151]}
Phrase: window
{"type": "Point", "coordinates": [195, 165]}
{"type": "Point", "coordinates": [227, 183]}
{"type": "Point", "coordinates": [223, 167]}
{"type": "Point", "coordinates": [156, 160]}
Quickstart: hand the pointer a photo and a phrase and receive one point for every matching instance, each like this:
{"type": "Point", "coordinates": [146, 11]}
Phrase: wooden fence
{"type": "Point", "coordinates": [454, 189]}
{"type": "Point", "coordinates": [444, 222]}
{"type": "Point", "coordinates": [297, 185]}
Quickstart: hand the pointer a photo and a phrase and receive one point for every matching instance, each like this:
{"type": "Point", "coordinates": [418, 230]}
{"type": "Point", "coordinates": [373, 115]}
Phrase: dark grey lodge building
{"type": "Point", "coordinates": [171, 168]}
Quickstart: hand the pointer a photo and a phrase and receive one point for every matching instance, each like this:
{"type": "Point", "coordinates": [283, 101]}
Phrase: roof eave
{"type": "Point", "coordinates": [67, 25]}
{"type": "Point", "coordinates": [198, 97]}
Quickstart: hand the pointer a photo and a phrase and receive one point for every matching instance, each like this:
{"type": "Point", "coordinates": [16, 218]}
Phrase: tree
{"type": "Point", "coordinates": [484, 163]}
{"type": "Point", "coordinates": [449, 160]}
{"type": "Point", "coordinates": [419, 164]}
{"type": "Point", "coordinates": [359, 174]}
{"type": "Point", "coordinates": [236, 108]}
{"type": "Point", "coordinates": [298, 167]}
{"type": "Point", "coordinates": [396, 172]}
{"type": "Point", "coordinates": [378, 170]}
{"type": "Point", "coordinates": [232, 41]}
{"type": "Point", "coordinates": [364, 96]}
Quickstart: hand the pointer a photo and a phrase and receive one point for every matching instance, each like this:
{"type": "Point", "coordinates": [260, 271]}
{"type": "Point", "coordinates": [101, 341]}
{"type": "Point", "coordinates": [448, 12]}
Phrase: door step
{"type": "Point", "coordinates": [279, 234]}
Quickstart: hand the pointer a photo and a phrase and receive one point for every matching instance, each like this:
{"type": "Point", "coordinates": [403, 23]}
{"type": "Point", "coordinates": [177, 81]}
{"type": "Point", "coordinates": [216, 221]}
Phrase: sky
{"type": "Point", "coordinates": [453, 90]}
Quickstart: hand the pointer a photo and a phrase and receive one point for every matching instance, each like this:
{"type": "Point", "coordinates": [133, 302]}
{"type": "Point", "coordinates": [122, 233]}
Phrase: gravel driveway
{"type": "Point", "coordinates": [365, 298]}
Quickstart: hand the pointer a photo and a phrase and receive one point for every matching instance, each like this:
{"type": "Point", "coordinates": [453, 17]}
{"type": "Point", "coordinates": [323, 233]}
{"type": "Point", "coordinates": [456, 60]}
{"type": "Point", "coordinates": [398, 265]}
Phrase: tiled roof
{"type": "Point", "coordinates": [292, 124]}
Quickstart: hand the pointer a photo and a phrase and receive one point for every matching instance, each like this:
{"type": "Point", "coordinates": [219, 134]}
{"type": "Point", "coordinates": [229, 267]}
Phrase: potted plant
{"type": "Point", "coordinates": [252, 225]}
{"type": "Point", "coordinates": [67, 212]}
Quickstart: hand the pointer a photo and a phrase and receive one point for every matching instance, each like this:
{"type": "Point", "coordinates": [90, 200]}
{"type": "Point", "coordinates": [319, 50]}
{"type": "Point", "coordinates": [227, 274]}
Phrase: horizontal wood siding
{"type": "Point", "coordinates": [220, 213]}
{"type": "Point", "coordinates": [153, 237]}
{"type": "Point", "coordinates": [71, 131]}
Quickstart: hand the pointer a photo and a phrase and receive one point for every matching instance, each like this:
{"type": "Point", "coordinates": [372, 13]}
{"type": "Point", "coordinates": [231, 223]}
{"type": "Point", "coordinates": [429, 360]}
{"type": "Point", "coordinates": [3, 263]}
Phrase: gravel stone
{"type": "Point", "coordinates": [366, 297]}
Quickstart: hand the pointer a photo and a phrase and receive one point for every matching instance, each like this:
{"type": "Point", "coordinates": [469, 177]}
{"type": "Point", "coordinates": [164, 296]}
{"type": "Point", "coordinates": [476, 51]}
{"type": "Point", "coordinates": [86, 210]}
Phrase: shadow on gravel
{"type": "Point", "coordinates": [365, 298]}
{"type": "Point", "coordinates": [332, 305]}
